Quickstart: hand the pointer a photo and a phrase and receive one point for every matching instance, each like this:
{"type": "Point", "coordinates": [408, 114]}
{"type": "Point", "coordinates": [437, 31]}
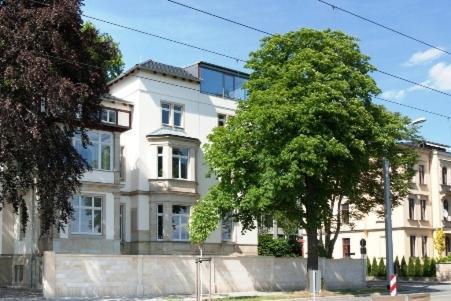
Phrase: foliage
{"type": "Point", "coordinates": [418, 268]}
{"type": "Point", "coordinates": [403, 269]}
{"type": "Point", "coordinates": [439, 242]}
{"type": "Point", "coordinates": [115, 65]}
{"type": "Point", "coordinates": [374, 268]}
{"type": "Point", "coordinates": [396, 266]}
{"type": "Point", "coordinates": [444, 259]}
{"type": "Point", "coordinates": [426, 267]}
{"type": "Point", "coordinates": [381, 271]}
{"type": "Point", "coordinates": [411, 267]}
{"type": "Point", "coordinates": [433, 268]}
{"type": "Point", "coordinates": [307, 133]}
{"type": "Point", "coordinates": [278, 247]}
{"type": "Point", "coordinates": [368, 266]}
{"type": "Point", "coordinates": [45, 59]}
{"type": "Point", "coordinates": [204, 220]}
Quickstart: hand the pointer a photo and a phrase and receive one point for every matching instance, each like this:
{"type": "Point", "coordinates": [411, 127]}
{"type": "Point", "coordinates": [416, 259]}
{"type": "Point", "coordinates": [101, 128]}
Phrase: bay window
{"type": "Point", "coordinates": [108, 116]}
{"type": "Point", "coordinates": [180, 163]}
{"type": "Point", "coordinates": [87, 217]}
{"type": "Point", "coordinates": [99, 154]}
{"type": "Point", "coordinates": [180, 217]}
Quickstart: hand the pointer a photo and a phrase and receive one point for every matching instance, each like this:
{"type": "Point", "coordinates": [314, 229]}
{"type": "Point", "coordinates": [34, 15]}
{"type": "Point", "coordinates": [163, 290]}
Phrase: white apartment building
{"type": "Point", "coordinates": [175, 109]}
{"type": "Point", "coordinates": [424, 211]}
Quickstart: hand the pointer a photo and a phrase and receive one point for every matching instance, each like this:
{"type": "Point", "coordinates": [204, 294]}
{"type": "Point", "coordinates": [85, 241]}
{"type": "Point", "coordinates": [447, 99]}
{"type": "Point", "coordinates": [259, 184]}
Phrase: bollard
{"type": "Point", "coordinates": [393, 286]}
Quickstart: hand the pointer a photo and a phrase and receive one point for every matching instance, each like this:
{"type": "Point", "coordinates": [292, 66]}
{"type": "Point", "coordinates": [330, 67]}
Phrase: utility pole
{"type": "Point", "coordinates": [388, 225]}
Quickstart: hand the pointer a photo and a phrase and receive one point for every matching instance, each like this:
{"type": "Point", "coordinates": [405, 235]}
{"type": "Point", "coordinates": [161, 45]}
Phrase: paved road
{"type": "Point", "coordinates": [438, 291]}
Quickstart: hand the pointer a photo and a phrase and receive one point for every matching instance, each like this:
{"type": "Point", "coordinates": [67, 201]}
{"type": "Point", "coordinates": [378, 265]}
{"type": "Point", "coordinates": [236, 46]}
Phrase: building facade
{"type": "Point", "coordinates": [424, 211]}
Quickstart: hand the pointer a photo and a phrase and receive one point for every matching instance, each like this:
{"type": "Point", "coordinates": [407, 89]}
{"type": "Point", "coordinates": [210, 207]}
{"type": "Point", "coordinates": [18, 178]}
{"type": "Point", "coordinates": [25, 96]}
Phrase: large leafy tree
{"type": "Point", "coordinates": [52, 76]}
{"type": "Point", "coordinates": [308, 132]}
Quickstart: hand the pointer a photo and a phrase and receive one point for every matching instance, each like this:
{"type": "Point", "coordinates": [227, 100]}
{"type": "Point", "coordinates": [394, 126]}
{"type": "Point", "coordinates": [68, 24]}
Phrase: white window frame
{"type": "Point", "coordinates": [224, 119]}
{"type": "Point", "coordinates": [179, 217]}
{"type": "Point", "coordinates": [180, 157]}
{"type": "Point", "coordinates": [99, 151]}
{"type": "Point", "coordinates": [108, 120]}
{"type": "Point", "coordinates": [172, 111]}
{"type": "Point", "coordinates": [92, 208]}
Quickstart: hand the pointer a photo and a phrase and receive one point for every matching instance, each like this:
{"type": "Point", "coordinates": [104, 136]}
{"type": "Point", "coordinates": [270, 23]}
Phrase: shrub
{"type": "Point", "coordinates": [374, 268]}
{"type": "Point", "coordinates": [411, 268]}
{"type": "Point", "coordinates": [381, 268]}
{"type": "Point", "coordinates": [396, 266]}
{"type": "Point", "coordinates": [278, 247]}
{"type": "Point", "coordinates": [433, 268]}
{"type": "Point", "coordinates": [426, 267]}
{"type": "Point", "coordinates": [403, 268]}
{"type": "Point", "coordinates": [418, 268]}
{"type": "Point", "coordinates": [368, 266]}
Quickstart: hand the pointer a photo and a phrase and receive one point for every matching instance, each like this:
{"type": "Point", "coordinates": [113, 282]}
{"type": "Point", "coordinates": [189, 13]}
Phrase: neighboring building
{"type": "Point", "coordinates": [175, 111]}
{"type": "Point", "coordinates": [425, 210]}
{"type": "Point", "coordinates": [95, 228]}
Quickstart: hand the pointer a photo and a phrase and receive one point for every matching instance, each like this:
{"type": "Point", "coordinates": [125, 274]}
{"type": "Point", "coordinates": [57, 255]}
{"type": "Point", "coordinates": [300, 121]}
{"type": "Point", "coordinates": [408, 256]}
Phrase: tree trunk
{"type": "Point", "coordinates": [312, 248]}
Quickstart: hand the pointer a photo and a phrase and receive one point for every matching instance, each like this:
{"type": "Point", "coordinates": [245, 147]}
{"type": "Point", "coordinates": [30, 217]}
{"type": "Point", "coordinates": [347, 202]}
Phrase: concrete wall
{"type": "Point", "coordinates": [443, 271]}
{"type": "Point", "coordinates": [71, 275]}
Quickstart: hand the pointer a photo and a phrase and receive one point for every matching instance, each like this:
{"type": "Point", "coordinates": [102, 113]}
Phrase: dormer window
{"type": "Point", "coordinates": [172, 115]}
{"type": "Point", "coordinates": [108, 116]}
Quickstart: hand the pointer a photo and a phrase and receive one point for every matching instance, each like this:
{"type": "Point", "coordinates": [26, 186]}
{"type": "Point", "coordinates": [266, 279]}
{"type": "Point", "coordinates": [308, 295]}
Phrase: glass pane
{"type": "Point", "coordinates": [228, 86]}
{"type": "Point", "coordinates": [91, 155]}
{"type": "Point", "coordinates": [184, 232]}
{"type": "Point", "coordinates": [175, 168]}
{"type": "Point", "coordinates": [112, 116]}
{"type": "Point", "coordinates": [93, 136]}
{"type": "Point", "coordinates": [160, 166]}
{"type": "Point", "coordinates": [166, 106]}
{"type": "Point", "coordinates": [176, 209]}
{"type": "Point", "coordinates": [160, 227]}
{"type": "Point", "coordinates": [106, 138]}
{"type": "Point", "coordinates": [97, 202]}
{"type": "Point", "coordinates": [75, 201]}
{"type": "Point", "coordinates": [183, 152]}
{"type": "Point", "coordinates": [160, 149]}
{"type": "Point", "coordinates": [240, 92]}
{"type": "Point", "coordinates": [176, 151]}
{"type": "Point", "coordinates": [177, 119]}
{"type": "Point", "coordinates": [184, 219]}
{"type": "Point", "coordinates": [211, 82]}
{"type": "Point", "coordinates": [86, 221]}
{"type": "Point", "coordinates": [86, 201]}
{"type": "Point", "coordinates": [104, 115]}
{"type": "Point", "coordinates": [75, 225]}
{"type": "Point", "coordinates": [175, 228]}
{"type": "Point", "coordinates": [184, 168]}
{"type": "Point", "coordinates": [97, 221]}
{"type": "Point", "coordinates": [106, 151]}
{"type": "Point", "coordinates": [160, 208]}
{"type": "Point", "coordinates": [165, 116]}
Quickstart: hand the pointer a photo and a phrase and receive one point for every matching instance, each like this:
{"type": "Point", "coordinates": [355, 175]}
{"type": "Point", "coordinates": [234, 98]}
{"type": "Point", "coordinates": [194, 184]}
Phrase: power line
{"type": "Point", "coordinates": [414, 108]}
{"type": "Point", "coordinates": [220, 17]}
{"type": "Point", "coordinates": [271, 34]}
{"type": "Point", "coordinates": [333, 6]}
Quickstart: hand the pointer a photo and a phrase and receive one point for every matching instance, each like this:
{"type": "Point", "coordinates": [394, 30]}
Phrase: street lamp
{"type": "Point", "coordinates": [388, 210]}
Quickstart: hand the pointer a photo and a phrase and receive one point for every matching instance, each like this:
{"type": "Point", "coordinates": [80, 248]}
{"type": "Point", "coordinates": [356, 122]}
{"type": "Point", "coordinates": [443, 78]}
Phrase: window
{"type": "Point", "coordinates": [87, 217]}
{"type": "Point", "coordinates": [180, 215]}
{"type": "Point", "coordinates": [424, 246]}
{"type": "Point", "coordinates": [122, 164]}
{"type": "Point", "coordinates": [444, 176]}
{"type": "Point", "coordinates": [180, 163]}
{"type": "Point", "coordinates": [423, 210]}
{"type": "Point", "coordinates": [445, 210]}
{"type": "Point", "coordinates": [411, 209]}
{"type": "Point", "coordinates": [227, 227]}
{"type": "Point", "coordinates": [221, 119]}
{"type": "Point", "coordinates": [122, 222]}
{"type": "Point", "coordinates": [412, 246]}
{"type": "Point", "coordinates": [22, 229]}
{"type": "Point", "coordinates": [18, 273]}
{"type": "Point", "coordinates": [346, 247]}
{"type": "Point", "coordinates": [223, 84]}
{"type": "Point", "coordinates": [172, 115]}
{"type": "Point", "coordinates": [159, 221]}
{"type": "Point", "coordinates": [421, 173]}
{"type": "Point", "coordinates": [345, 213]}
{"type": "Point", "coordinates": [99, 155]}
{"type": "Point", "coordinates": [108, 116]}
{"type": "Point", "coordinates": [160, 161]}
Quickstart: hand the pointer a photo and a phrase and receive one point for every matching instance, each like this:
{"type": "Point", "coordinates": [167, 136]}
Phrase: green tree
{"type": "Point", "coordinates": [426, 267]}
{"type": "Point", "coordinates": [307, 133]}
{"type": "Point", "coordinates": [47, 62]}
{"type": "Point", "coordinates": [374, 268]}
{"type": "Point", "coordinates": [381, 271]}
{"type": "Point", "coordinates": [403, 269]}
{"type": "Point", "coordinates": [115, 65]}
{"type": "Point", "coordinates": [396, 266]}
{"type": "Point", "coordinates": [411, 267]}
{"type": "Point", "coordinates": [368, 266]}
{"type": "Point", "coordinates": [439, 242]}
{"type": "Point", "coordinates": [418, 268]}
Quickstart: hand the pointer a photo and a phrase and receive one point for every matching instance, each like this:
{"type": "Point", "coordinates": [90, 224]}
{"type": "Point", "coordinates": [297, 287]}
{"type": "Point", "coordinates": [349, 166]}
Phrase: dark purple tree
{"type": "Point", "coordinates": [52, 76]}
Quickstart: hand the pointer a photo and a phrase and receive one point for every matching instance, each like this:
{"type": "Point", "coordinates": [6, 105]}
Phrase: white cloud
{"type": "Point", "coordinates": [424, 56]}
{"type": "Point", "coordinates": [394, 94]}
{"type": "Point", "coordinates": [440, 76]}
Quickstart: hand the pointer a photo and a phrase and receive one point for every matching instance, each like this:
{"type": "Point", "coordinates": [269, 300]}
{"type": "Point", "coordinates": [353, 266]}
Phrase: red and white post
{"type": "Point", "coordinates": [393, 286]}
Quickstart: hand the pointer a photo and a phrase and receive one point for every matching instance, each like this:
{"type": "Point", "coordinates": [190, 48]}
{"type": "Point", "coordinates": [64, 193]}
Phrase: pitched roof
{"type": "Point", "coordinates": [169, 131]}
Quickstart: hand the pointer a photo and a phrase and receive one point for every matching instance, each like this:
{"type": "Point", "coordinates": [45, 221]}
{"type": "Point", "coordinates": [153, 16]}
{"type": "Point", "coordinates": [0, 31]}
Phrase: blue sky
{"type": "Point", "coordinates": [426, 20]}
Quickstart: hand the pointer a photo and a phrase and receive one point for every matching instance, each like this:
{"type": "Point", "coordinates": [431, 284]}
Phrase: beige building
{"type": "Point", "coordinates": [425, 210]}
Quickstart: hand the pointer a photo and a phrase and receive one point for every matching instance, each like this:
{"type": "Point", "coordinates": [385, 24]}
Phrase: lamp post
{"type": "Point", "coordinates": [388, 211]}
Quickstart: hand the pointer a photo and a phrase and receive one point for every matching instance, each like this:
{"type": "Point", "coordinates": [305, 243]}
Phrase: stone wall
{"type": "Point", "coordinates": [70, 275]}
{"type": "Point", "coordinates": [443, 271]}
